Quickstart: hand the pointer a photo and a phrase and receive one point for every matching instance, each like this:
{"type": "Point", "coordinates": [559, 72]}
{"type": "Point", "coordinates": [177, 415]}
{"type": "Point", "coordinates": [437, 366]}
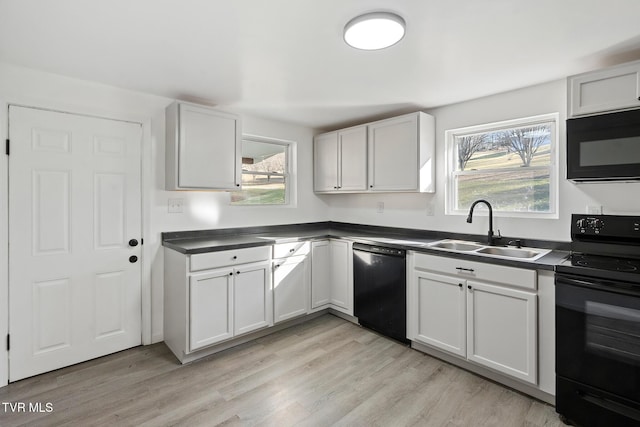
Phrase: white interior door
{"type": "Point", "coordinates": [74, 206]}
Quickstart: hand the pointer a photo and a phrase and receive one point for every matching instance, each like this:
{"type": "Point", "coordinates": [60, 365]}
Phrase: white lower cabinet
{"type": "Point", "coordinates": [211, 298]}
{"type": "Point", "coordinates": [291, 282]}
{"type": "Point", "coordinates": [501, 329]}
{"type": "Point", "coordinates": [341, 277]}
{"type": "Point", "coordinates": [332, 275]}
{"type": "Point", "coordinates": [210, 311]}
{"type": "Point", "coordinates": [320, 274]}
{"type": "Point", "coordinates": [490, 322]}
{"type": "Point", "coordinates": [441, 318]}
{"type": "Point", "coordinates": [228, 302]}
{"type": "Point", "coordinates": [252, 298]}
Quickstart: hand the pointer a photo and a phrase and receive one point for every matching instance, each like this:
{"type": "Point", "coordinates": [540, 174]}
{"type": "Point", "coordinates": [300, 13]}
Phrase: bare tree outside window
{"type": "Point", "coordinates": [526, 141]}
{"type": "Point", "coordinates": [511, 164]}
{"type": "Point", "coordinates": [467, 146]}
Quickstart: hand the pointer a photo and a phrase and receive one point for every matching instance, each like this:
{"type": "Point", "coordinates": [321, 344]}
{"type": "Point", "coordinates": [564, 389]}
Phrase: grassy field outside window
{"type": "Point", "coordinates": [511, 164]}
{"type": "Point", "coordinates": [265, 173]}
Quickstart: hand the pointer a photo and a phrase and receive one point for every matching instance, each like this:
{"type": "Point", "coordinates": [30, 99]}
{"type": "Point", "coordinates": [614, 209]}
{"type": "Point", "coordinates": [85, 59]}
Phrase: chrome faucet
{"type": "Point", "coordinates": [490, 237]}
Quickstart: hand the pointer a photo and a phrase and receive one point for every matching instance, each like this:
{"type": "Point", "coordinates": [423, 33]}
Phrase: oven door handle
{"type": "Point", "coordinates": [599, 284]}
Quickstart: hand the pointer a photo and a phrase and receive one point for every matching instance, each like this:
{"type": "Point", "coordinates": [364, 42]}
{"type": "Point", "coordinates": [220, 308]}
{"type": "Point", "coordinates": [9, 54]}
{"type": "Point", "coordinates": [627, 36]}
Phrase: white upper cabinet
{"type": "Point", "coordinates": [401, 154]}
{"type": "Point", "coordinates": [352, 144]}
{"type": "Point", "coordinates": [203, 150]}
{"type": "Point", "coordinates": [340, 160]}
{"type": "Point", "coordinates": [325, 162]}
{"type": "Point", "coordinates": [610, 89]}
{"type": "Point", "coordinates": [386, 156]}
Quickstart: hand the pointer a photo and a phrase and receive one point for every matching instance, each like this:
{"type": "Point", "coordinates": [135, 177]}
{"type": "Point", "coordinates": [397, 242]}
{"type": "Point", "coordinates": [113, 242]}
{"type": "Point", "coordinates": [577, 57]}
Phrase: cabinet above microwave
{"type": "Point", "coordinates": [609, 89]}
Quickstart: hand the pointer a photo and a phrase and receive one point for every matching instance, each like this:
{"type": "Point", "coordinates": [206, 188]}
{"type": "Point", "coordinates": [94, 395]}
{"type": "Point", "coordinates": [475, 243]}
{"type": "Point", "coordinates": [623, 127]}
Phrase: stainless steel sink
{"type": "Point", "coordinates": [463, 246]}
{"type": "Point", "coordinates": [456, 245]}
{"type": "Point", "coordinates": [509, 252]}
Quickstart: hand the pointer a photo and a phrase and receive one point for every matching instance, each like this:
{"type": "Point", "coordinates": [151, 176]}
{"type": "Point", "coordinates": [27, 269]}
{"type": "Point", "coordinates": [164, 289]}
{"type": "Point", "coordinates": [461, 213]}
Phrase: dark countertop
{"type": "Point", "coordinates": [198, 245]}
{"type": "Point", "coordinates": [195, 242]}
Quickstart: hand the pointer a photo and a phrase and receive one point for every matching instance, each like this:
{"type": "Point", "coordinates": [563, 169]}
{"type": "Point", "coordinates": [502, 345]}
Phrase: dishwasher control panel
{"type": "Point", "coordinates": [378, 249]}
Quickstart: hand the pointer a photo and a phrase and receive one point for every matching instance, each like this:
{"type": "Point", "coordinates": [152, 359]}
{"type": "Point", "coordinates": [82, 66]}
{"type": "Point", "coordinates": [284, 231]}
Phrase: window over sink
{"type": "Point", "coordinates": [512, 164]}
{"type": "Point", "coordinates": [265, 172]}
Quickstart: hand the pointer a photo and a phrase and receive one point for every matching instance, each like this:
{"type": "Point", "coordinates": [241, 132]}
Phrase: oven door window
{"type": "Point", "coordinates": [598, 338]}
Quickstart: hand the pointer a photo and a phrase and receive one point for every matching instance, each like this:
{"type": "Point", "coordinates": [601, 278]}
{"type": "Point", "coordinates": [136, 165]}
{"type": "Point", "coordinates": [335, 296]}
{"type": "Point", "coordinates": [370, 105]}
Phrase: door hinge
{"type": "Point", "coordinates": [8, 147]}
{"type": "Point", "coordinates": [142, 241]}
{"type": "Point", "coordinates": [8, 342]}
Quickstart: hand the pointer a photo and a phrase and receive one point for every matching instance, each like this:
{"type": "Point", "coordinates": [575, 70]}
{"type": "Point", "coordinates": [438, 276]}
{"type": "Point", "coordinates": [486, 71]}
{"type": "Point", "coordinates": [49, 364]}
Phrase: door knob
{"type": "Point", "coordinates": [133, 242]}
{"type": "Point", "coordinates": [133, 259]}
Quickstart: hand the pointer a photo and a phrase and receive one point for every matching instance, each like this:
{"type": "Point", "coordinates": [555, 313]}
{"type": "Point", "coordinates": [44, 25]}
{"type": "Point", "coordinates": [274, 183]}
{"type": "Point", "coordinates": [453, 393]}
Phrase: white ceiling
{"type": "Point", "coordinates": [285, 59]}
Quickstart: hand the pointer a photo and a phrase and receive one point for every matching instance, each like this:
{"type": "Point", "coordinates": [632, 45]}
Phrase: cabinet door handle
{"type": "Point", "coordinates": [469, 287]}
{"type": "Point", "coordinates": [231, 274]}
{"type": "Point", "coordinates": [460, 284]}
{"type": "Point", "coordinates": [237, 272]}
{"type": "Point", "coordinates": [470, 270]}
{"type": "Point", "coordinates": [371, 186]}
{"type": "Point", "coordinates": [292, 250]}
{"type": "Point", "coordinates": [234, 257]}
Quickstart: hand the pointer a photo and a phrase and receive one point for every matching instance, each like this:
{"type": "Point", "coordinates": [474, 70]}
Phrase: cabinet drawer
{"type": "Point", "coordinates": [520, 277]}
{"type": "Point", "coordinates": [283, 250]}
{"type": "Point", "coordinates": [225, 258]}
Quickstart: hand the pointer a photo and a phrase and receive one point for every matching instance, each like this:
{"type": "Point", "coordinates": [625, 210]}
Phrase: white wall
{"type": "Point", "coordinates": [411, 210]}
{"type": "Point", "coordinates": [202, 210]}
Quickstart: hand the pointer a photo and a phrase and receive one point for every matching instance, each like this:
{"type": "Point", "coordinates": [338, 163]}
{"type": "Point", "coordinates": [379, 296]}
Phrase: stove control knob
{"type": "Point", "coordinates": [581, 223]}
{"type": "Point", "coordinates": [596, 224]}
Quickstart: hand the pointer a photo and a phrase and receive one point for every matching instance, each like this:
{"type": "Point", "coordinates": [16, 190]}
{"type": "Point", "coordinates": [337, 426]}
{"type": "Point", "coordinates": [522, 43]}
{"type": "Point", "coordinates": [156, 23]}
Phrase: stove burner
{"type": "Point", "coordinates": [608, 264]}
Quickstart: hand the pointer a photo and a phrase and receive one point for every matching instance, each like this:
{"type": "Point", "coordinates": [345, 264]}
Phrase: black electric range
{"type": "Point", "coordinates": [598, 323]}
{"type": "Point", "coordinates": [605, 246]}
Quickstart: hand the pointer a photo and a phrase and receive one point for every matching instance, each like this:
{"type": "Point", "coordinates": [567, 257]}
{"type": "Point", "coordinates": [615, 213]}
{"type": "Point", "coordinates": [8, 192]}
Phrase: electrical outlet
{"type": "Point", "coordinates": [175, 205]}
{"type": "Point", "coordinates": [594, 210]}
{"type": "Point", "coordinates": [380, 207]}
{"type": "Point", "coordinates": [430, 209]}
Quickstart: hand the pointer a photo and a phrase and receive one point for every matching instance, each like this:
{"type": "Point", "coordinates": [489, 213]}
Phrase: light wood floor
{"type": "Point", "coordinates": [323, 372]}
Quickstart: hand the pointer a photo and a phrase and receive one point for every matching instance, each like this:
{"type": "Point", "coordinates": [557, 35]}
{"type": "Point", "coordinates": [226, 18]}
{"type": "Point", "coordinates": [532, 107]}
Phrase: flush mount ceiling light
{"type": "Point", "coordinates": [375, 30]}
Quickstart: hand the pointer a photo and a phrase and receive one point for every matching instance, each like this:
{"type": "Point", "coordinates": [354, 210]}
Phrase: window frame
{"type": "Point", "coordinates": [288, 175]}
{"type": "Point", "coordinates": [451, 164]}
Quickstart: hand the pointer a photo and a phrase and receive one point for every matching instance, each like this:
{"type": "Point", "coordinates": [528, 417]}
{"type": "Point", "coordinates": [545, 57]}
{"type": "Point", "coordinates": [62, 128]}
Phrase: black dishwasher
{"type": "Point", "coordinates": [380, 297]}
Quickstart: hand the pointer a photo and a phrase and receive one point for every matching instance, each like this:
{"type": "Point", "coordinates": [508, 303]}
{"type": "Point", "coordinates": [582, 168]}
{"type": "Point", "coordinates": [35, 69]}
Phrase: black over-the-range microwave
{"type": "Point", "coordinates": [605, 147]}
